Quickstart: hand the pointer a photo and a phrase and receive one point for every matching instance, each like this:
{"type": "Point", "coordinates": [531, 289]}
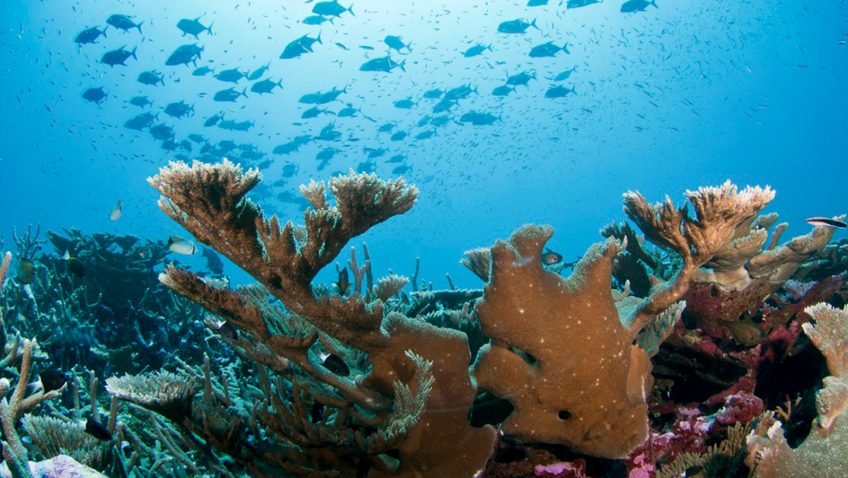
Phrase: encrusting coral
{"type": "Point", "coordinates": [825, 450]}
{"type": "Point", "coordinates": [563, 351]}
{"type": "Point", "coordinates": [208, 200]}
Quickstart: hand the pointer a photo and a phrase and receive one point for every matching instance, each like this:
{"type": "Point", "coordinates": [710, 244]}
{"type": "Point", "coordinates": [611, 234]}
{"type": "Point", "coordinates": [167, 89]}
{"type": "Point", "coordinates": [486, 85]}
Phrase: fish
{"type": "Point", "coordinates": [334, 363]}
{"type": "Point", "coordinates": [478, 119]}
{"type": "Point", "coordinates": [95, 95]}
{"type": "Point", "coordinates": [460, 92]}
{"type": "Point", "coordinates": [117, 57]}
{"type": "Point", "coordinates": [547, 49]}
{"type": "Point", "coordinates": [520, 79]}
{"type": "Point", "coordinates": [213, 120]}
{"type": "Point", "coordinates": [26, 271]}
{"type": "Point", "coordinates": [536, 3]}
{"type": "Point", "coordinates": [300, 46]}
{"type": "Point", "coordinates": [550, 258]}
{"type": "Point", "coordinates": [820, 221]}
{"type": "Point", "coordinates": [52, 379]}
{"type": "Point", "coordinates": [502, 90]}
{"type": "Point", "coordinates": [97, 430]}
{"type": "Point", "coordinates": [140, 101]}
{"type": "Point", "coordinates": [374, 152]}
{"type": "Point", "coordinates": [399, 136]}
{"type": "Point", "coordinates": [581, 3]}
{"type": "Point", "coordinates": [123, 22]}
{"type": "Point", "coordinates": [314, 112]}
{"type": "Point", "coordinates": [202, 71]}
{"type": "Point", "coordinates": [316, 20]}
{"type": "Point", "coordinates": [404, 104]}
{"type": "Point", "coordinates": [181, 246]}
{"type": "Point", "coordinates": [396, 43]}
{"type": "Point", "coordinates": [229, 95]}
{"type": "Point", "coordinates": [433, 94]}
{"type": "Point", "coordinates": [398, 158]}
{"type": "Point", "coordinates": [151, 77]}
{"type": "Point", "coordinates": [89, 35]}
{"type": "Point", "coordinates": [232, 125]}
{"type": "Point", "coordinates": [633, 6]}
{"type": "Point", "coordinates": [331, 9]}
{"type": "Point", "coordinates": [516, 26]}
{"type": "Point", "coordinates": [162, 132]}
{"type": "Point", "coordinates": [193, 27]}
{"type": "Point", "coordinates": [257, 73]}
{"type": "Point", "coordinates": [384, 64]}
{"type": "Point", "coordinates": [349, 111]}
{"type": "Point", "coordinates": [141, 121]}
{"type": "Point", "coordinates": [213, 261]}
{"type": "Point", "coordinates": [558, 91]}
{"type": "Point", "coordinates": [185, 54]}
{"type": "Point", "coordinates": [425, 134]}
{"type": "Point", "coordinates": [266, 86]}
{"type": "Point", "coordinates": [386, 127]}
{"type": "Point", "coordinates": [232, 75]}
{"type": "Point", "coordinates": [476, 50]}
{"type": "Point", "coordinates": [116, 212]}
{"type": "Point", "coordinates": [445, 105]}
{"type": "Point", "coordinates": [403, 168]}
{"type": "Point", "coordinates": [342, 46]}
{"type": "Point", "coordinates": [74, 265]}
{"type": "Point", "coordinates": [179, 109]}
{"type": "Point", "coordinates": [564, 75]}
{"type": "Point", "coordinates": [320, 98]}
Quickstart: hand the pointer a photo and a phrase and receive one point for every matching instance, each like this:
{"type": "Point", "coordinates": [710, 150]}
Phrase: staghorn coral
{"type": "Point", "coordinates": [208, 200]}
{"type": "Point", "coordinates": [824, 450]}
{"type": "Point", "coordinates": [585, 386]}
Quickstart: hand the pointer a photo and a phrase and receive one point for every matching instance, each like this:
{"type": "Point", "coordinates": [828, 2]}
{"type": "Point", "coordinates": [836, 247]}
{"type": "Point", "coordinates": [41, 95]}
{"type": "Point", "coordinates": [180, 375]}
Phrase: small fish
{"type": "Point", "coordinates": [343, 283]}
{"type": "Point", "coordinates": [396, 43]}
{"type": "Point", "coordinates": [476, 50]}
{"type": "Point", "coordinates": [181, 246]}
{"type": "Point", "coordinates": [502, 90]}
{"type": "Point", "coordinates": [52, 379]}
{"type": "Point", "coordinates": [550, 258]}
{"type": "Point", "coordinates": [335, 364]}
{"type": "Point", "coordinates": [213, 261]}
{"type": "Point", "coordinates": [116, 213]}
{"type": "Point", "coordinates": [316, 20]}
{"type": "Point", "coordinates": [317, 412]}
{"type": "Point", "coordinates": [331, 9]}
{"type": "Point", "coordinates": [581, 3]}
{"type": "Point", "coordinates": [404, 104]}
{"type": "Point", "coordinates": [97, 430]}
{"type": "Point", "coordinates": [26, 270]}
{"type": "Point", "coordinates": [75, 266]}
{"type": "Point", "coordinates": [266, 86]}
{"type": "Point", "coordinates": [298, 47]}
{"type": "Point", "coordinates": [820, 221]}
{"type": "Point", "coordinates": [89, 35]}
{"type": "Point", "coordinates": [202, 71]}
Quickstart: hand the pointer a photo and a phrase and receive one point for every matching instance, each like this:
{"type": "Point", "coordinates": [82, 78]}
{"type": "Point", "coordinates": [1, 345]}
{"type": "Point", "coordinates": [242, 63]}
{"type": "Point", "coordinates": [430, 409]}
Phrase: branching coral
{"type": "Point", "coordinates": [209, 201]}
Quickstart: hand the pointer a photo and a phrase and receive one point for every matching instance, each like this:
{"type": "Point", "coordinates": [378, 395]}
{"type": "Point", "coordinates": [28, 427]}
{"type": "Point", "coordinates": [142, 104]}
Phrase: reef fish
{"type": "Point", "coordinates": [116, 212]}
{"type": "Point", "coordinates": [117, 57]}
{"type": "Point", "coordinates": [181, 246]}
{"type": "Point", "coordinates": [820, 221]}
{"type": "Point", "coordinates": [633, 6]}
{"type": "Point", "coordinates": [516, 26]}
{"type": "Point", "coordinates": [95, 95]}
{"type": "Point", "coordinates": [123, 22]}
{"type": "Point", "coordinates": [74, 265]}
{"type": "Point", "coordinates": [52, 379]}
{"type": "Point", "coordinates": [213, 261]}
{"type": "Point", "coordinates": [384, 64]}
{"type": "Point", "coordinates": [193, 27]}
{"type": "Point", "coordinates": [97, 430]}
{"type": "Point", "coordinates": [550, 258]}
{"type": "Point", "coordinates": [89, 35]}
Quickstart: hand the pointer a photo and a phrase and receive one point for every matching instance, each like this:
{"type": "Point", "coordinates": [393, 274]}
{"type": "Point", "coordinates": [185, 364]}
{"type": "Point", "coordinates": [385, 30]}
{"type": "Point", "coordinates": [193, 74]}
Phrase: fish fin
{"type": "Point", "coordinates": [654, 3]}
{"type": "Point", "coordinates": [139, 28]}
{"type": "Point", "coordinates": [402, 67]}
{"type": "Point", "coordinates": [209, 28]}
{"type": "Point", "coordinates": [244, 92]}
{"type": "Point", "coordinates": [133, 53]}
{"type": "Point", "coordinates": [318, 39]}
{"type": "Point", "coordinates": [533, 24]}
{"type": "Point", "coordinates": [350, 9]}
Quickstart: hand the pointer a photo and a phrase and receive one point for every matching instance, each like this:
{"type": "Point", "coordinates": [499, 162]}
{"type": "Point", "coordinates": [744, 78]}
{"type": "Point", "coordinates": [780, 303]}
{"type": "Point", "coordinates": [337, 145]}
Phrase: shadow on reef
{"type": "Point", "coordinates": [698, 346]}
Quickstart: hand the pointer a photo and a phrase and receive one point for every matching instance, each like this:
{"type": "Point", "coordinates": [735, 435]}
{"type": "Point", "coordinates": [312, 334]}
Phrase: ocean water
{"type": "Point", "coordinates": [675, 95]}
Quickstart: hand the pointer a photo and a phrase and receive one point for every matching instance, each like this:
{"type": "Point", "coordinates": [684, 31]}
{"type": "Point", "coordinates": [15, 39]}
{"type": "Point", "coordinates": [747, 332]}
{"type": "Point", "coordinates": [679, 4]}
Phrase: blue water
{"type": "Point", "coordinates": [686, 94]}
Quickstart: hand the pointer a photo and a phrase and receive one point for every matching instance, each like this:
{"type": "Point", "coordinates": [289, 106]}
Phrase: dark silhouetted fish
{"type": "Point", "coordinates": [232, 75]}
{"type": "Point", "coordinates": [202, 71]}
{"type": "Point", "coordinates": [117, 57]}
{"type": "Point", "coordinates": [399, 136]}
{"type": "Point", "coordinates": [547, 49]}
{"type": "Point", "coordinates": [516, 26]}
{"type": "Point", "coordinates": [89, 35]}
{"type": "Point", "coordinates": [396, 43]}
{"type": "Point", "coordinates": [502, 90]}
{"type": "Point", "coordinates": [257, 73]}
{"type": "Point", "coordinates": [95, 95]}
{"type": "Point", "coordinates": [266, 86]}
{"type": "Point", "coordinates": [404, 104]}
{"type": "Point", "coordinates": [151, 77]}
{"type": "Point", "coordinates": [478, 119]}
{"type": "Point", "coordinates": [141, 121]}
{"type": "Point", "coordinates": [193, 27]}
{"type": "Point", "coordinates": [521, 79]}
{"type": "Point", "coordinates": [140, 101]}
{"type": "Point", "coordinates": [433, 94]}
{"type": "Point", "coordinates": [213, 261]}
{"type": "Point", "coordinates": [536, 3]}
{"type": "Point", "coordinates": [460, 92]}
{"type": "Point", "coordinates": [97, 430]}
{"type": "Point", "coordinates": [820, 221]}
{"type": "Point", "coordinates": [123, 22]}
{"type": "Point", "coordinates": [300, 46]}
{"type": "Point", "coordinates": [564, 75]}
{"type": "Point", "coordinates": [185, 54]}
{"type": "Point", "coordinates": [52, 379]}
{"type": "Point", "coordinates": [213, 120]}
{"type": "Point", "coordinates": [633, 6]}
{"type": "Point", "coordinates": [476, 50]}
{"type": "Point", "coordinates": [384, 64]}
{"type": "Point", "coordinates": [331, 9]}
{"type": "Point", "coordinates": [550, 258]}
{"type": "Point", "coordinates": [162, 132]}
{"type": "Point", "coordinates": [558, 91]}
{"type": "Point", "coordinates": [581, 3]}
{"type": "Point", "coordinates": [229, 95]}
{"type": "Point", "coordinates": [316, 20]}
{"type": "Point", "coordinates": [179, 109]}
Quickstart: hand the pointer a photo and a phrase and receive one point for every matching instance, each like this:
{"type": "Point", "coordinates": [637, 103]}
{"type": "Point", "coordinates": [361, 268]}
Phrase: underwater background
{"type": "Point", "coordinates": [715, 336]}
{"type": "Point", "coordinates": [666, 99]}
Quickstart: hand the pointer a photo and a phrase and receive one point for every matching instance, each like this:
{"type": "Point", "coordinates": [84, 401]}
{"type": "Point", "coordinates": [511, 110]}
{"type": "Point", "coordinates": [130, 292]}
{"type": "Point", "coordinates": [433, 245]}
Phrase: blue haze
{"type": "Point", "coordinates": [687, 94]}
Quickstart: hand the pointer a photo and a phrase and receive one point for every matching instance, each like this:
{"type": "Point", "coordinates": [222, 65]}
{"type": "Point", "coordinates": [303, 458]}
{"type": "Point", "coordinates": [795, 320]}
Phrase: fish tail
{"type": "Point", "coordinates": [318, 39]}
{"type": "Point", "coordinates": [133, 53]}
{"type": "Point", "coordinates": [104, 30]}
{"type": "Point", "coordinates": [209, 28]}
{"type": "Point", "coordinates": [401, 65]}
{"type": "Point", "coordinates": [654, 3]}
{"type": "Point", "coordinates": [244, 92]}
{"type": "Point", "coordinates": [139, 27]}
{"type": "Point", "coordinates": [350, 9]}
{"type": "Point", "coordinates": [533, 24]}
